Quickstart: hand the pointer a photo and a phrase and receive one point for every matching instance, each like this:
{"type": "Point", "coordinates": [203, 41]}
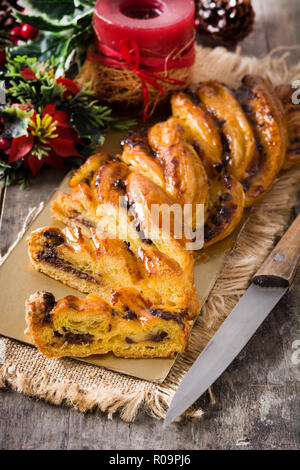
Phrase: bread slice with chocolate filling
{"type": "Point", "coordinates": [99, 264]}
{"type": "Point", "coordinates": [128, 325]}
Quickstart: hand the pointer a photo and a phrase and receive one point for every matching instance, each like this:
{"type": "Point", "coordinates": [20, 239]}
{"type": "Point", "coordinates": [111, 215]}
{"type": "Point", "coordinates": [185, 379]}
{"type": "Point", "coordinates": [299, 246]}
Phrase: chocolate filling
{"type": "Point", "coordinates": [49, 256]}
{"type": "Point", "coordinates": [141, 233]}
{"type": "Point", "coordinates": [208, 232]}
{"type": "Point", "coordinates": [49, 304]}
{"type": "Point", "coordinates": [228, 181]}
{"type": "Point", "coordinates": [119, 183]}
{"type": "Point", "coordinates": [246, 183]}
{"type": "Point", "coordinates": [147, 241]}
{"type": "Point", "coordinates": [55, 239]}
{"type": "Point", "coordinates": [218, 220]}
{"type": "Point", "coordinates": [218, 167]}
{"type": "Point", "coordinates": [84, 222]}
{"type": "Point", "coordinates": [78, 338]}
{"type": "Point", "coordinates": [57, 334]}
{"type": "Point", "coordinates": [225, 197]}
{"type": "Point", "coordinates": [165, 315]}
{"type": "Point", "coordinates": [158, 337]}
{"type": "Point", "coordinates": [129, 340]}
{"type": "Point", "coordinates": [129, 315]}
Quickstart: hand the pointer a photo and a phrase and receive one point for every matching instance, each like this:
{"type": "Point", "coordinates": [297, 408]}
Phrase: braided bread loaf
{"type": "Point", "coordinates": [222, 149]}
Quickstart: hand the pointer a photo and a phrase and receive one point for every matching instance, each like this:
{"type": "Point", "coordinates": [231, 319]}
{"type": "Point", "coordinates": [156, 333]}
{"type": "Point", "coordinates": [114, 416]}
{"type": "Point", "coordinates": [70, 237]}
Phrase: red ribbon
{"type": "Point", "coordinates": [146, 68]}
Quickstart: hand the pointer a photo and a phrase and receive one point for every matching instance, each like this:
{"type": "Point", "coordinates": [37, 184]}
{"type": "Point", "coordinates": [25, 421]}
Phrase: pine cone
{"type": "Point", "coordinates": [7, 18]}
{"type": "Point", "coordinates": [225, 21]}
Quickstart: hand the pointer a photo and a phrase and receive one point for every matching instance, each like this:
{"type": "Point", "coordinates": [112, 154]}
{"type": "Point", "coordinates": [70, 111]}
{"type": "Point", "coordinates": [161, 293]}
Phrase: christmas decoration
{"type": "Point", "coordinates": [11, 29]}
{"type": "Point", "coordinates": [15, 34]}
{"type": "Point", "coordinates": [225, 21]}
{"type": "Point", "coordinates": [28, 32]}
{"type": "Point", "coordinates": [48, 137]}
{"type": "Point", "coordinates": [142, 51]}
{"type": "Point", "coordinates": [4, 144]}
{"type": "Point", "coordinates": [126, 63]}
{"type": "Point", "coordinates": [46, 120]}
{"type": "Point", "coordinates": [65, 29]}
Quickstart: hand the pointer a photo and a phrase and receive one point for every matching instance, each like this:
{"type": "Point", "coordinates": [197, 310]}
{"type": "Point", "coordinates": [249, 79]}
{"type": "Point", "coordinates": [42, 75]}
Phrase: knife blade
{"type": "Point", "coordinates": [268, 286]}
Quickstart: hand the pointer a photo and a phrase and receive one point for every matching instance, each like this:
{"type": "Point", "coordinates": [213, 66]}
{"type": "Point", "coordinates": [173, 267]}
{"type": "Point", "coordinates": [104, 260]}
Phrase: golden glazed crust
{"type": "Point", "coordinates": [268, 121]}
{"type": "Point", "coordinates": [128, 326]}
{"type": "Point", "coordinates": [252, 126]}
{"type": "Point", "coordinates": [292, 156]}
{"type": "Point", "coordinates": [102, 265]}
{"type": "Point", "coordinates": [226, 200]}
{"type": "Point", "coordinates": [234, 125]}
{"type": "Point", "coordinates": [221, 148]}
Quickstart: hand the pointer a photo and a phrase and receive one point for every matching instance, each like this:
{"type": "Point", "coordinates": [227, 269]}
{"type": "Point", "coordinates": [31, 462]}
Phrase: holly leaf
{"type": "Point", "coordinates": [90, 3]}
{"type": "Point", "coordinates": [79, 18]}
{"type": "Point", "coordinates": [42, 23]}
{"type": "Point", "coordinates": [65, 28]}
{"type": "Point", "coordinates": [73, 44]}
{"type": "Point", "coordinates": [82, 18]}
{"type": "Point", "coordinates": [54, 9]}
{"type": "Point", "coordinates": [49, 47]}
{"type": "Point", "coordinates": [16, 122]}
{"type": "Point", "coordinates": [30, 49]}
{"type": "Point", "coordinates": [59, 40]}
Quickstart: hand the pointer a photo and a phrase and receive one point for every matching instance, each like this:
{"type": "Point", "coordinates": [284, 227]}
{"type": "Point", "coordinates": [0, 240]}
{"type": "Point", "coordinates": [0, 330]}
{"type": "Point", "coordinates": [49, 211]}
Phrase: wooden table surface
{"type": "Point", "coordinates": [258, 397]}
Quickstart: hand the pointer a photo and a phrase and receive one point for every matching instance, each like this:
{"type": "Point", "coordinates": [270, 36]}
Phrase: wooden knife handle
{"type": "Point", "coordinates": [281, 265]}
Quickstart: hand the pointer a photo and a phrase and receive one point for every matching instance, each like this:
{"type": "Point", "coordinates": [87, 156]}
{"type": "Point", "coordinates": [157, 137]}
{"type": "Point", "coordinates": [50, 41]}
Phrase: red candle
{"type": "Point", "coordinates": [159, 27]}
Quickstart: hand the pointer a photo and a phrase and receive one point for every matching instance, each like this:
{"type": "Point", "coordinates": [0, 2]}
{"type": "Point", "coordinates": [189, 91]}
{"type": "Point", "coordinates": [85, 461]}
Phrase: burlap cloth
{"type": "Point", "coordinates": [86, 386]}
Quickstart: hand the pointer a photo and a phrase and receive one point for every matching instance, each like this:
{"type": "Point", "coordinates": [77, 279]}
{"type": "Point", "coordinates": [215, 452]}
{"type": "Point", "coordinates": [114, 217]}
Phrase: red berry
{"type": "Point", "coordinates": [4, 143]}
{"type": "Point", "coordinates": [16, 32]}
{"type": "Point", "coordinates": [2, 58]}
{"type": "Point", "coordinates": [29, 32]}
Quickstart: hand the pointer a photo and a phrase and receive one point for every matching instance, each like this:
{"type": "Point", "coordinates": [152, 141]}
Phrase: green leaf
{"type": "Point", "coordinates": [15, 121]}
{"type": "Point", "coordinates": [53, 46]}
{"type": "Point", "coordinates": [124, 125]}
{"type": "Point", "coordinates": [90, 3]}
{"type": "Point", "coordinates": [49, 47]}
{"type": "Point", "coordinates": [66, 28]}
{"type": "Point", "coordinates": [76, 41]}
{"type": "Point", "coordinates": [30, 49]}
{"type": "Point", "coordinates": [43, 24]}
{"type": "Point", "coordinates": [4, 165]}
{"type": "Point", "coordinates": [54, 9]}
{"type": "Point", "coordinates": [80, 17]}
{"type": "Point", "coordinates": [14, 173]}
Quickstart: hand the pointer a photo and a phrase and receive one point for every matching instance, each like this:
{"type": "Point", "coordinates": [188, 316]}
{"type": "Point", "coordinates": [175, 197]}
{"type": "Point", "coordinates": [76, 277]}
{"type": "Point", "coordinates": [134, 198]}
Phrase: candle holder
{"type": "Point", "coordinates": [142, 51]}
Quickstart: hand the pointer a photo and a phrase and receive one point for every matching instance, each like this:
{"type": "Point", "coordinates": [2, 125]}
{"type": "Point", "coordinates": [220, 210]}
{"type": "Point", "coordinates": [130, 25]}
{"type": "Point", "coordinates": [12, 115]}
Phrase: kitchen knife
{"type": "Point", "coordinates": [269, 284]}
